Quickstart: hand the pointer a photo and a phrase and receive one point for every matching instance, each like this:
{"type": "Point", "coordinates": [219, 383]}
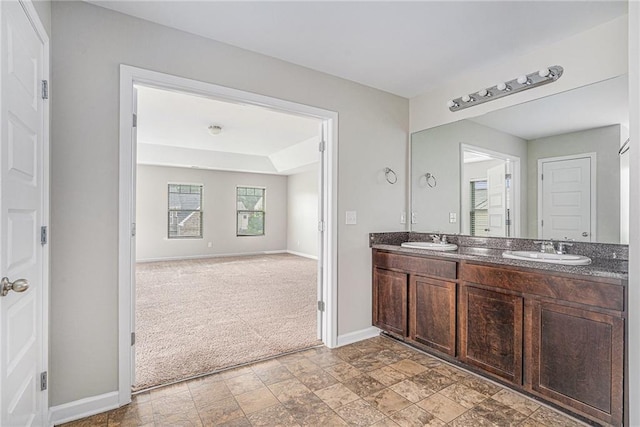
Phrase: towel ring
{"type": "Point", "coordinates": [624, 148]}
{"type": "Point", "coordinates": [430, 180]}
{"type": "Point", "coordinates": [390, 176]}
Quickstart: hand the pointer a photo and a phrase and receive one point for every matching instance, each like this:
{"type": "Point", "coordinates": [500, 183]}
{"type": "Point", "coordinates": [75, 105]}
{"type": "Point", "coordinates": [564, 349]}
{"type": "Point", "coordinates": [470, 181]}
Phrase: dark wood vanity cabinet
{"type": "Point", "coordinates": [491, 328]}
{"type": "Point", "coordinates": [415, 298]}
{"type": "Point", "coordinates": [557, 336]}
{"type": "Point", "coordinates": [390, 301]}
{"type": "Point", "coordinates": [432, 313]}
{"type": "Point", "coordinates": [577, 358]}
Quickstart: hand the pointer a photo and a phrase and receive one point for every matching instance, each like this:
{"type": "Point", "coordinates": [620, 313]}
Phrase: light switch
{"type": "Point", "coordinates": [351, 218]}
{"type": "Point", "coordinates": [403, 218]}
{"type": "Point", "coordinates": [453, 217]}
{"type": "Point", "coordinates": [414, 218]}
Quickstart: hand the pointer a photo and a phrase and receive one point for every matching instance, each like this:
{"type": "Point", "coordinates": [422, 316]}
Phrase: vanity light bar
{"type": "Point", "coordinates": [524, 82]}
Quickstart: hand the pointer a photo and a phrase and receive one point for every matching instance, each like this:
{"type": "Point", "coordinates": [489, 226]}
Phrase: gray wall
{"type": "Point", "coordinates": [89, 44]}
{"type": "Point", "coordinates": [605, 142]}
{"type": "Point", "coordinates": [437, 151]}
{"type": "Point", "coordinates": [218, 213]}
{"type": "Point", "coordinates": [43, 7]}
{"type": "Point", "coordinates": [302, 226]}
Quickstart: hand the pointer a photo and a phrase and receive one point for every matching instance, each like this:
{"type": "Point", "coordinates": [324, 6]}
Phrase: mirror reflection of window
{"type": "Point", "coordinates": [479, 215]}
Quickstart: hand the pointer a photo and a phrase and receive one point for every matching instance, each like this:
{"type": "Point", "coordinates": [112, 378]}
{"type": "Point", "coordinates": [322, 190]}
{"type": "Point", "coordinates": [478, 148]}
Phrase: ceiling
{"type": "Point", "coordinates": [172, 130]}
{"type": "Point", "coordinates": [405, 48]}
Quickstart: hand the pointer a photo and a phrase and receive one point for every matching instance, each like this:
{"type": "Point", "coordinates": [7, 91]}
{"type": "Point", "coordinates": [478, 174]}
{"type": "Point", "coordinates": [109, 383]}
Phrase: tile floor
{"type": "Point", "coordinates": [376, 382]}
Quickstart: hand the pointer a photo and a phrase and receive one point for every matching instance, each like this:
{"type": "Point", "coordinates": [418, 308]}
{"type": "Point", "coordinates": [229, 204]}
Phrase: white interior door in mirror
{"type": "Point", "coordinates": [21, 202]}
{"type": "Point", "coordinates": [567, 199]}
{"type": "Point", "coordinates": [496, 199]}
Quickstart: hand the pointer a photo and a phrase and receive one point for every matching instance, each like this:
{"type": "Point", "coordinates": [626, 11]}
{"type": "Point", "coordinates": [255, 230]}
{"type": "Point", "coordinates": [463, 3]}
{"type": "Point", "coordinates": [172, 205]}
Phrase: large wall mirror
{"type": "Point", "coordinates": [552, 168]}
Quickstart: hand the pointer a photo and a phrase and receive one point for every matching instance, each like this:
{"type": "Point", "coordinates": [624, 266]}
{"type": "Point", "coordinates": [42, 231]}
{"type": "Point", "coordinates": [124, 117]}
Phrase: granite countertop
{"type": "Point", "coordinates": [599, 267]}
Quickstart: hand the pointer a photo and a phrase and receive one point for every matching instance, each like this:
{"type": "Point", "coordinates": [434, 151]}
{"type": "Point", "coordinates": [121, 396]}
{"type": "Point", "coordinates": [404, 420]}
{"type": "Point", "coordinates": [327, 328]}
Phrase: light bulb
{"type": "Point", "coordinates": [215, 129]}
{"type": "Point", "coordinates": [522, 80]}
{"type": "Point", "coordinates": [544, 72]}
{"type": "Point", "coordinates": [452, 104]}
{"type": "Point", "coordinates": [466, 98]}
{"type": "Point", "coordinates": [483, 92]}
{"type": "Point", "coordinates": [501, 86]}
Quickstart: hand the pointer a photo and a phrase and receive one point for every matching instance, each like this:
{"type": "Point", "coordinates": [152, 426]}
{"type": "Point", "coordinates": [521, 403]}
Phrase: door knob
{"type": "Point", "coordinates": [585, 234]}
{"type": "Point", "coordinates": [19, 285]}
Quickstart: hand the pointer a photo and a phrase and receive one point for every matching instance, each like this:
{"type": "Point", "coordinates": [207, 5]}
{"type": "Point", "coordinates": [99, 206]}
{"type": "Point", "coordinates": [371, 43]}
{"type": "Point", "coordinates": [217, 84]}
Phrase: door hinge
{"type": "Point", "coordinates": [133, 229]}
{"type": "Point", "coordinates": [43, 235]}
{"type": "Point", "coordinates": [320, 305]}
{"type": "Point", "coordinates": [321, 146]}
{"type": "Point", "coordinates": [45, 89]}
{"type": "Point", "coordinates": [133, 338]}
{"type": "Point", "coordinates": [542, 223]}
{"type": "Point", "coordinates": [135, 120]}
{"type": "Point", "coordinates": [43, 381]}
{"type": "Point", "coordinates": [541, 177]}
{"type": "Point", "coordinates": [320, 225]}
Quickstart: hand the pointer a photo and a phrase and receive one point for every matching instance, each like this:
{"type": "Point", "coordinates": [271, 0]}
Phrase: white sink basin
{"type": "Point", "coordinates": [566, 259]}
{"type": "Point", "coordinates": [431, 246]}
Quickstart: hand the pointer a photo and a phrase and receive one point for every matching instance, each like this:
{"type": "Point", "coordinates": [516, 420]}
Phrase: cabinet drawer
{"type": "Point", "coordinates": [413, 264]}
{"type": "Point", "coordinates": [592, 293]}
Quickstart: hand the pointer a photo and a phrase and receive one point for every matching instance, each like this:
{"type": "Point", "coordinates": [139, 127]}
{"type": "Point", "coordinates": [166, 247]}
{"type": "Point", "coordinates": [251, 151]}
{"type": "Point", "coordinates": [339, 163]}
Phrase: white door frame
{"type": "Point", "coordinates": [126, 257]}
{"type": "Point", "coordinates": [33, 16]}
{"type": "Point", "coordinates": [515, 183]}
{"type": "Point", "coordinates": [591, 156]}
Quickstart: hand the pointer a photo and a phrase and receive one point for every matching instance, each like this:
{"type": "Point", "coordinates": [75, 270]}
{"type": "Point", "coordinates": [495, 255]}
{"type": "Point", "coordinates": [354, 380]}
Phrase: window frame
{"type": "Point", "coordinates": [263, 210]}
{"type": "Point", "coordinates": [169, 211]}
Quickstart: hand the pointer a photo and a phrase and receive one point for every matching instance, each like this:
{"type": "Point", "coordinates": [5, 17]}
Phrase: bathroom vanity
{"type": "Point", "coordinates": [553, 331]}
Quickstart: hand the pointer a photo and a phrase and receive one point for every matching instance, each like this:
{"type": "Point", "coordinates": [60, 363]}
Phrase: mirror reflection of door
{"type": "Point", "coordinates": [566, 198]}
{"type": "Point", "coordinates": [487, 193]}
{"type": "Point", "coordinates": [497, 201]}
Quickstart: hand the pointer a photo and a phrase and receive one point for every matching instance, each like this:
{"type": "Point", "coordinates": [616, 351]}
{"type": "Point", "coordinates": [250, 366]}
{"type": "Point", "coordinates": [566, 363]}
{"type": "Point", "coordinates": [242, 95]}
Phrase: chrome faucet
{"type": "Point", "coordinates": [546, 246]}
{"type": "Point", "coordinates": [435, 238]}
{"type": "Point", "coordinates": [562, 246]}
{"type": "Point", "coordinates": [443, 239]}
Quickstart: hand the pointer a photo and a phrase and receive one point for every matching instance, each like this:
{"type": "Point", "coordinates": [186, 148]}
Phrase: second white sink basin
{"type": "Point", "coordinates": [431, 246]}
{"type": "Point", "coordinates": [566, 259]}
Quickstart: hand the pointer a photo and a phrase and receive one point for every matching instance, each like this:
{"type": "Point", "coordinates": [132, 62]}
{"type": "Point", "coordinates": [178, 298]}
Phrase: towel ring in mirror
{"type": "Point", "coordinates": [624, 148]}
{"type": "Point", "coordinates": [430, 180]}
{"type": "Point", "coordinates": [390, 176]}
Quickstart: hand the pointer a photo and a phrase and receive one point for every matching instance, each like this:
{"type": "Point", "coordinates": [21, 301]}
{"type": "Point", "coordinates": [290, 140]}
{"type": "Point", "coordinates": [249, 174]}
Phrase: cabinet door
{"type": "Point", "coordinates": [390, 301]}
{"type": "Point", "coordinates": [432, 313]}
{"type": "Point", "coordinates": [491, 326]}
{"type": "Point", "coordinates": [577, 359]}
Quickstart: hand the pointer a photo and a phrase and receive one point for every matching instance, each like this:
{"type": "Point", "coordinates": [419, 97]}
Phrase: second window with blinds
{"type": "Point", "coordinates": [250, 211]}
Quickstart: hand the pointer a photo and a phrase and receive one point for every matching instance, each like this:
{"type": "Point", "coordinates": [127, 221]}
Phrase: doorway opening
{"type": "Point", "coordinates": [489, 193]}
{"type": "Point", "coordinates": [223, 225]}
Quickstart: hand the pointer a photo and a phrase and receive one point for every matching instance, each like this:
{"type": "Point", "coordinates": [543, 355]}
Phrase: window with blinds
{"type": "Point", "coordinates": [250, 211]}
{"type": "Point", "coordinates": [479, 215]}
{"type": "Point", "coordinates": [185, 211]}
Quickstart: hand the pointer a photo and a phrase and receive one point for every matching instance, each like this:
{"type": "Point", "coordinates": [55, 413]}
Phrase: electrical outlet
{"type": "Point", "coordinates": [209, 245]}
{"type": "Point", "coordinates": [453, 217]}
{"type": "Point", "coordinates": [351, 218]}
{"type": "Point", "coordinates": [414, 218]}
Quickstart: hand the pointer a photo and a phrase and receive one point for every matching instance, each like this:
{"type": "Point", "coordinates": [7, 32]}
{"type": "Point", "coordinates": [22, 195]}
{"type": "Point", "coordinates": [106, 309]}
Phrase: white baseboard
{"type": "Point", "coordinates": [179, 258]}
{"type": "Point", "coordinates": [356, 336]}
{"type": "Point", "coordinates": [83, 408]}
{"type": "Point", "coordinates": [302, 255]}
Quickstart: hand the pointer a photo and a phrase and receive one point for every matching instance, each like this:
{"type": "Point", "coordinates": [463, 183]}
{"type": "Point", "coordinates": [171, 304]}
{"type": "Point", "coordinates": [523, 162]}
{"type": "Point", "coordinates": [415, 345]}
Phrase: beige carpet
{"type": "Point", "coordinates": [197, 316]}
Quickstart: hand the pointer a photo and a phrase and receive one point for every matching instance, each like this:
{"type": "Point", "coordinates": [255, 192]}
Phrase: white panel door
{"type": "Point", "coordinates": [497, 201]}
{"type": "Point", "coordinates": [566, 199]}
{"type": "Point", "coordinates": [21, 208]}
